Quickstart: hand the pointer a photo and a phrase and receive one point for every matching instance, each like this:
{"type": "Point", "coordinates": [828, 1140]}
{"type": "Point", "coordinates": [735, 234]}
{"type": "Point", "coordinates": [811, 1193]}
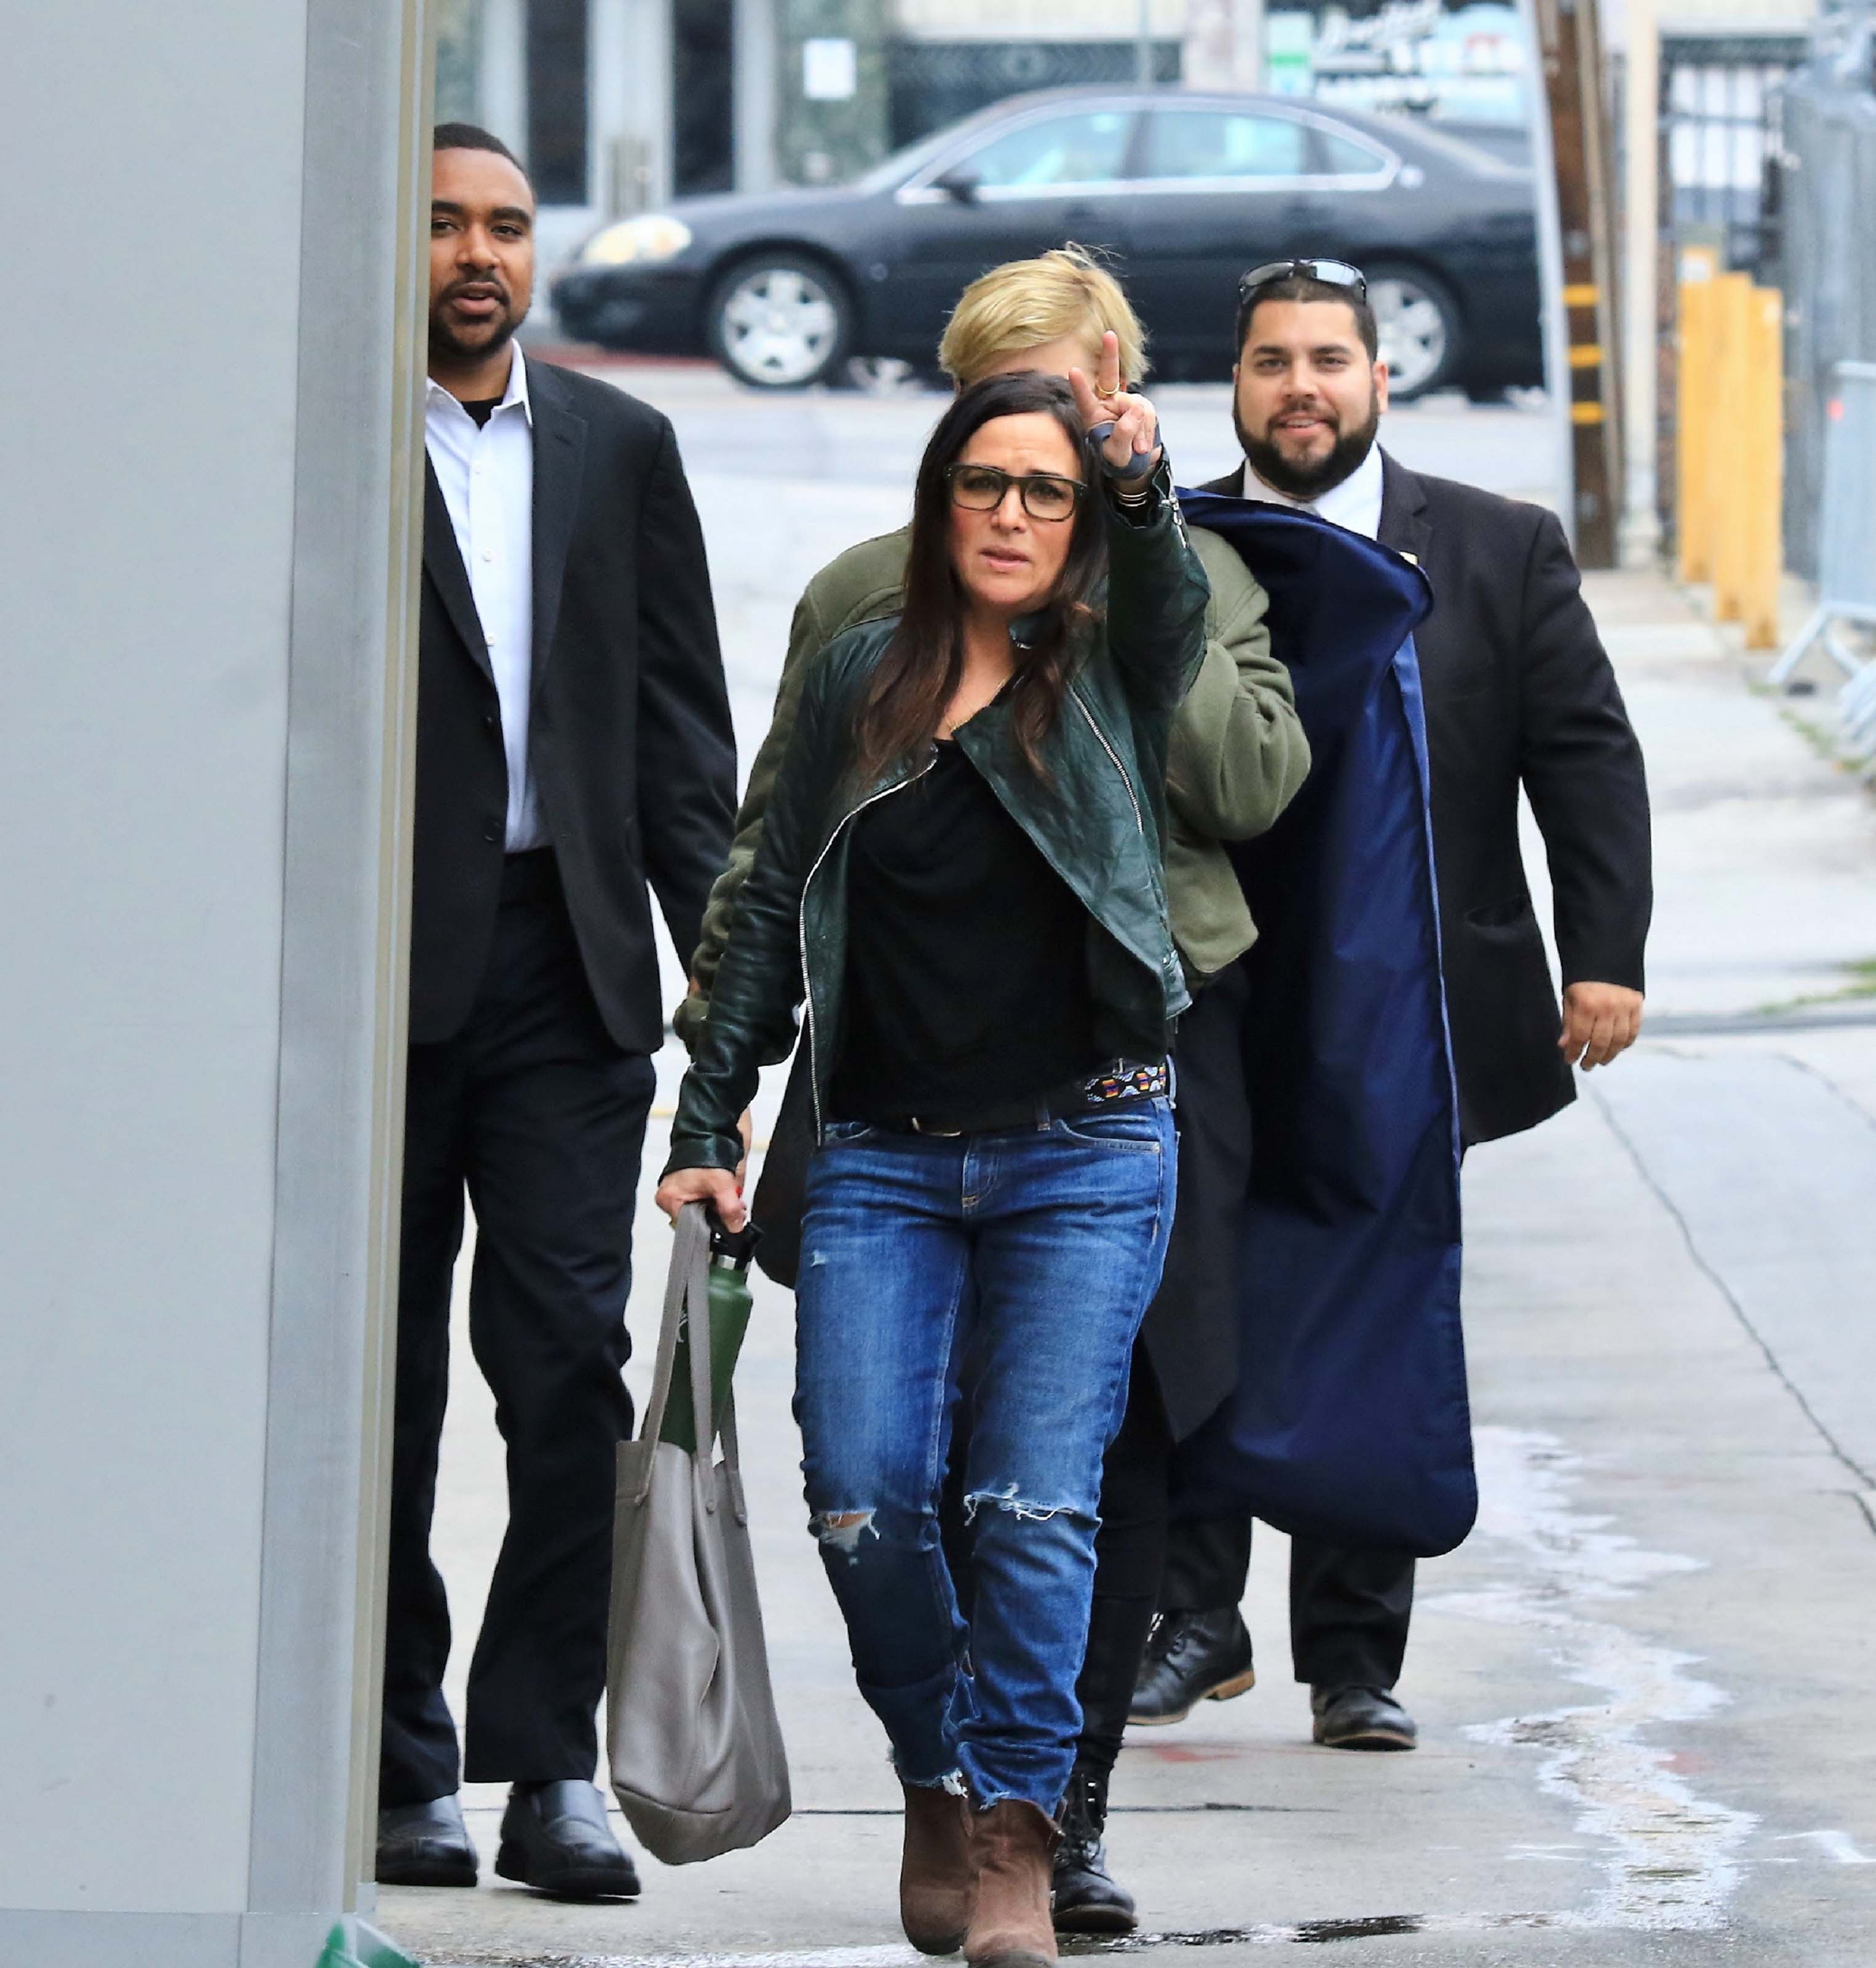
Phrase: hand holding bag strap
{"type": "Point", "coordinates": [689, 1279]}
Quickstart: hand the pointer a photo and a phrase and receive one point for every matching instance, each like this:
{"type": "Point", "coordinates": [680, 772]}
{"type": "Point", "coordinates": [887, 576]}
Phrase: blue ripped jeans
{"type": "Point", "coordinates": [1033, 1252]}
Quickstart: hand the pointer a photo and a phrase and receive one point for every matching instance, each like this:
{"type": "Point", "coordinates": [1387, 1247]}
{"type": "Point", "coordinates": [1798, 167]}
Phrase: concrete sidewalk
{"type": "Point", "coordinates": [1641, 1683]}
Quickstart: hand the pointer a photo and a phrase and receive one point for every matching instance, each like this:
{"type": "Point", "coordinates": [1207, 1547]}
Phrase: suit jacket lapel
{"type": "Point", "coordinates": [1403, 511]}
{"type": "Point", "coordinates": [442, 562]}
{"type": "Point", "coordinates": [559, 453]}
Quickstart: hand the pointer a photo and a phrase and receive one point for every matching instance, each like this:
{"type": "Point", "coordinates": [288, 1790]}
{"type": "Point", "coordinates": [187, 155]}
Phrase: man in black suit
{"type": "Point", "coordinates": [574, 744]}
{"type": "Point", "coordinates": [1519, 691]}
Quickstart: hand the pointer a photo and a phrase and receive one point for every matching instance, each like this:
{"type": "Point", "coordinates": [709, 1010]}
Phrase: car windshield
{"type": "Point", "coordinates": [896, 169]}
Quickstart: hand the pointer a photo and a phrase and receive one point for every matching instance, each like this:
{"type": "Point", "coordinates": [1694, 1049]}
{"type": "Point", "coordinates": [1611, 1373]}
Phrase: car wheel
{"type": "Point", "coordinates": [1420, 335]}
{"type": "Point", "coordinates": [780, 321]}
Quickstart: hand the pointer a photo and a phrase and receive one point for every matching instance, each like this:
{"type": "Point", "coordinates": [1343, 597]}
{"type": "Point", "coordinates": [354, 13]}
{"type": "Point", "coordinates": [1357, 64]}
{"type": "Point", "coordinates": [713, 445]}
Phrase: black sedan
{"type": "Point", "coordinates": [1184, 189]}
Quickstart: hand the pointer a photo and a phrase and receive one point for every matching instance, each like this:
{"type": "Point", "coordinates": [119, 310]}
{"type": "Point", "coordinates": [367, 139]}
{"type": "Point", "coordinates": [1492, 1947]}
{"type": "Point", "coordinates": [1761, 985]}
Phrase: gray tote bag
{"type": "Point", "coordinates": [692, 1740]}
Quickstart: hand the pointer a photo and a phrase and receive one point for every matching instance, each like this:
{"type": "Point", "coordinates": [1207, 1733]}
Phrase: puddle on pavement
{"type": "Point", "coordinates": [1669, 1858]}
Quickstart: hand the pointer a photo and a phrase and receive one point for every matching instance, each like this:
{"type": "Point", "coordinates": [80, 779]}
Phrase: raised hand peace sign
{"type": "Point", "coordinates": [1127, 427]}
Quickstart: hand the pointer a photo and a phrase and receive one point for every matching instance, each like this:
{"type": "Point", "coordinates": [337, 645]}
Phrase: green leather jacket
{"type": "Point", "coordinates": [1098, 818]}
{"type": "Point", "coordinates": [1236, 756]}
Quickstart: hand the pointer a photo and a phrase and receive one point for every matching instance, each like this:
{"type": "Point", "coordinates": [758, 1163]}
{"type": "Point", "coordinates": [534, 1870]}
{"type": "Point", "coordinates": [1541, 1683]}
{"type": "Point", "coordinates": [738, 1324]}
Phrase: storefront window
{"type": "Point", "coordinates": [557, 100]}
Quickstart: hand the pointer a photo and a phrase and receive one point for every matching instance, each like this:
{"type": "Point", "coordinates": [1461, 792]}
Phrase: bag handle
{"type": "Point", "coordinates": [732, 1459]}
{"type": "Point", "coordinates": [689, 1280]}
{"type": "Point", "coordinates": [702, 1400]}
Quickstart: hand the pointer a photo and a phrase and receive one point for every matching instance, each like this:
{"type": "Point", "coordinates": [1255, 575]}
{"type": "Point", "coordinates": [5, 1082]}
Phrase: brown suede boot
{"type": "Point", "coordinates": [1013, 1845]}
{"type": "Point", "coordinates": [936, 1875]}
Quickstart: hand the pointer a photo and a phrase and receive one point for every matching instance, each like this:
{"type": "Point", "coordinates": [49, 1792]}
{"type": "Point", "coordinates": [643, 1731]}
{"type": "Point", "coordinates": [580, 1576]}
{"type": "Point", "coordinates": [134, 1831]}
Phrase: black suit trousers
{"type": "Point", "coordinates": [1349, 1609]}
{"type": "Point", "coordinates": [1199, 1291]}
{"type": "Point", "coordinates": [534, 1113]}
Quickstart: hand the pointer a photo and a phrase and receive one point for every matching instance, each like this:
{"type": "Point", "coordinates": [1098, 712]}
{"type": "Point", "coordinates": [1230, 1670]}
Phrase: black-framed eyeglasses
{"type": "Point", "coordinates": [982, 488]}
{"type": "Point", "coordinates": [1330, 273]}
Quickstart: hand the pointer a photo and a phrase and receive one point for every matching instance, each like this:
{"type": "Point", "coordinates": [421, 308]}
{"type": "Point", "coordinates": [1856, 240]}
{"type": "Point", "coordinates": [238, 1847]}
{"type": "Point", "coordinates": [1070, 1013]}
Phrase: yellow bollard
{"type": "Point", "coordinates": [1694, 412]}
{"type": "Point", "coordinates": [1730, 492]}
{"type": "Point", "coordinates": [1762, 487]}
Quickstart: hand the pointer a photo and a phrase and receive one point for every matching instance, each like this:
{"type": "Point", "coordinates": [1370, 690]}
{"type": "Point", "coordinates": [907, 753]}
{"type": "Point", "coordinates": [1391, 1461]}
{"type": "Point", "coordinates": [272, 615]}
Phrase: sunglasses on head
{"type": "Point", "coordinates": [1330, 273]}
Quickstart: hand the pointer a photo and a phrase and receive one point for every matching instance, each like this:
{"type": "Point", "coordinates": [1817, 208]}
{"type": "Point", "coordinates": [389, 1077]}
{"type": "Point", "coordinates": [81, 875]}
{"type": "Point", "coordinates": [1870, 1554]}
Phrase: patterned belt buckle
{"type": "Point", "coordinates": [1125, 1081]}
{"type": "Point", "coordinates": [937, 1134]}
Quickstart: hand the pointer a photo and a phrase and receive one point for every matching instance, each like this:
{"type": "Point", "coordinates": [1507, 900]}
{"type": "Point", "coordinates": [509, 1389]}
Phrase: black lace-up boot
{"type": "Point", "coordinates": [1086, 1898]}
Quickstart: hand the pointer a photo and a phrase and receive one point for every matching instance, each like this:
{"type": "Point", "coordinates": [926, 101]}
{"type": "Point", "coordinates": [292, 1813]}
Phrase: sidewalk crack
{"type": "Point", "coordinates": [1865, 1480]}
{"type": "Point", "coordinates": [1840, 1094]}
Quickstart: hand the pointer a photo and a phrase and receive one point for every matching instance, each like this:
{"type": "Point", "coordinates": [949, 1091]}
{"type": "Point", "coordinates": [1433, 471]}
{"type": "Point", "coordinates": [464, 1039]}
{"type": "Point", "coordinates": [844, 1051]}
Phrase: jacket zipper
{"type": "Point", "coordinates": [1113, 756]}
{"type": "Point", "coordinates": [801, 924]}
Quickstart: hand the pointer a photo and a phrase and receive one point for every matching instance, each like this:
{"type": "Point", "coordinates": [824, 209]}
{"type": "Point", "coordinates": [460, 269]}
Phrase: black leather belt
{"type": "Point", "coordinates": [1125, 1080]}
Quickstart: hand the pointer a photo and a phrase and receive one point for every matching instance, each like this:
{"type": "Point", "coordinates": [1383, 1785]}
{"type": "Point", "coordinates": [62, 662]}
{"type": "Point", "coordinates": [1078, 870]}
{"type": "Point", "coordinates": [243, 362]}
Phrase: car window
{"type": "Point", "coordinates": [1342, 157]}
{"type": "Point", "coordinates": [1090, 148]}
{"type": "Point", "coordinates": [1217, 144]}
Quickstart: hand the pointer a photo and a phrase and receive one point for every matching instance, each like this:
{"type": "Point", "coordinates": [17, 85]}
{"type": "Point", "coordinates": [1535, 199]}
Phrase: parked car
{"type": "Point", "coordinates": [1186, 189]}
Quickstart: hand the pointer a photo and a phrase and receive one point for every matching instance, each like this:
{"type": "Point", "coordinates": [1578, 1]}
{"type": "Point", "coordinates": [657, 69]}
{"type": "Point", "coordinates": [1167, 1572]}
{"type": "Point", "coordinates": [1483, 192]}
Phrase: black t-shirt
{"type": "Point", "coordinates": [482, 408]}
{"type": "Point", "coordinates": [966, 980]}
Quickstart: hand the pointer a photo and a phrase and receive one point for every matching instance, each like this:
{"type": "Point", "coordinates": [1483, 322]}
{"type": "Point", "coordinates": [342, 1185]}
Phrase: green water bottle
{"type": "Point", "coordinates": [729, 1273]}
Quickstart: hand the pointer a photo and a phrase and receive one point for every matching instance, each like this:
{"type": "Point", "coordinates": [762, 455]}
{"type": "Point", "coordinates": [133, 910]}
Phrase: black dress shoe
{"type": "Point", "coordinates": [1086, 1899]}
{"type": "Point", "coordinates": [556, 1839]}
{"type": "Point", "coordinates": [1192, 1657]}
{"type": "Point", "coordinates": [425, 1845]}
{"type": "Point", "coordinates": [1361, 1718]}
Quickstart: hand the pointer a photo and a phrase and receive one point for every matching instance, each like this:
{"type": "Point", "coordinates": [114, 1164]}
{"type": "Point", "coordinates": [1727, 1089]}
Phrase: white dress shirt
{"type": "Point", "coordinates": [1355, 503]}
{"type": "Point", "coordinates": [487, 474]}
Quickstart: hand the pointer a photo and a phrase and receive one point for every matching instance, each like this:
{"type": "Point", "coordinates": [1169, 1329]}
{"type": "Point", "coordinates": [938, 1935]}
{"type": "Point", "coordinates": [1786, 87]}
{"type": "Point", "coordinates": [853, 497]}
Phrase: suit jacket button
{"type": "Point", "coordinates": [491, 830]}
{"type": "Point", "coordinates": [490, 720]}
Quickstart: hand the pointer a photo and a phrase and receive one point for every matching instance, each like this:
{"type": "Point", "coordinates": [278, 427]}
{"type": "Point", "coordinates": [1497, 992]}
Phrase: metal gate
{"type": "Point", "coordinates": [1720, 109]}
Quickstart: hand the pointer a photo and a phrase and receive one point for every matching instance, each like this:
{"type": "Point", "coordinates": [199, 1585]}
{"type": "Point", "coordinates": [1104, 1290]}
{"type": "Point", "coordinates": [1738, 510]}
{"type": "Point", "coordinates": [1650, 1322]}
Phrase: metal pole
{"type": "Point", "coordinates": [1556, 320]}
{"type": "Point", "coordinates": [1143, 45]}
{"type": "Point", "coordinates": [1640, 537]}
{"type": "Point", "coordinates": [754, 51]}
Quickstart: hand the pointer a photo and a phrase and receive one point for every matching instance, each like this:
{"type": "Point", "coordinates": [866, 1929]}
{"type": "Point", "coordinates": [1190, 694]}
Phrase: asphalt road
{"type": "Point", "coordinates": [1641, 1682]}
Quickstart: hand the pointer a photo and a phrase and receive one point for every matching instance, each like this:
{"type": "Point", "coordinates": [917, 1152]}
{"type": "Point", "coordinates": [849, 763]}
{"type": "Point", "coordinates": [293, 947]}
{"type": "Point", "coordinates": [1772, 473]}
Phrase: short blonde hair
{"type": "Point", "coordinates": [1025, 304]}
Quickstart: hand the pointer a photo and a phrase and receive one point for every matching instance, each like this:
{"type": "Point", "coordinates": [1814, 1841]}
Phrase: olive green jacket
{"type": "Point", "coordinates": [1236, 755]}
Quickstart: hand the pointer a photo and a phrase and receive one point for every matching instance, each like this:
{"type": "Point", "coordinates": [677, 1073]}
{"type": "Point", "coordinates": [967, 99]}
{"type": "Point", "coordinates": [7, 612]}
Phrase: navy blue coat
{"type": "Point", "coordinates": [1349, 1421]}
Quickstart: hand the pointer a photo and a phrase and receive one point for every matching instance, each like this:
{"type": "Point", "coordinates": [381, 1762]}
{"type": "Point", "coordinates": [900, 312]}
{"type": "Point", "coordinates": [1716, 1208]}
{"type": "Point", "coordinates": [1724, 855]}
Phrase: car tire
{"type": "Point", "coordinates": [780, 321]}
{"type": "Point", "coordinates": [1420, 336]}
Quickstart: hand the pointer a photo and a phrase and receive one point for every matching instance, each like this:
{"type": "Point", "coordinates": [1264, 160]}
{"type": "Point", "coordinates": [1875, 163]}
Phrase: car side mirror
{"type": "Point", "coordinates": [959, 182]}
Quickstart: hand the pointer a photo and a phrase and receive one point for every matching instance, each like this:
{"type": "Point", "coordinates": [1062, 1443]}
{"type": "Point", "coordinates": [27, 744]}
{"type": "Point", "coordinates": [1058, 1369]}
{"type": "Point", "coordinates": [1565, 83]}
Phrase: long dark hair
{"type": "Point", "coordinates": [919, 671]}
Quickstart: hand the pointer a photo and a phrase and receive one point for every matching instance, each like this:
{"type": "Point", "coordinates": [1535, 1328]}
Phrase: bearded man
{"type": "Point", "coordinates": [1517, 692]}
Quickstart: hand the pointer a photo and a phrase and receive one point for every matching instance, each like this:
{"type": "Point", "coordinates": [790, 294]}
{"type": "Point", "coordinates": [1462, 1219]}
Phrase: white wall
{"type": "Point", "coordinates": [157, 509]}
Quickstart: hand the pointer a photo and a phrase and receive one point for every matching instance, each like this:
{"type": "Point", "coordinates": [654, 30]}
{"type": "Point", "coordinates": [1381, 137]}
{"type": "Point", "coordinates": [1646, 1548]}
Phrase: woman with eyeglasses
{"type": "Point", "coordinates": [960, 873]}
